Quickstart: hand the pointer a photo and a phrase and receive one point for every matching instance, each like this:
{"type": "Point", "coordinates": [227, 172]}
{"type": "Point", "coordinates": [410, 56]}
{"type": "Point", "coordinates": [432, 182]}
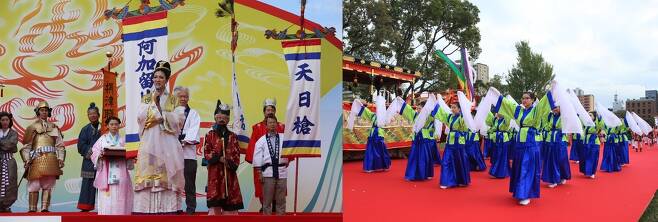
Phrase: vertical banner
{"type": "Point", "coordinates": [461, 79]}
{"type": "Point", "coordinates": [110, 97]}
{"type": "Point", "coordinates": [144, 44]}
{"type": "Point", "coordinates": [469, 75]}
{"type": "Point", "coordinates": [239, 123]}
{"type": "Point", "coordinates": [302, 138]}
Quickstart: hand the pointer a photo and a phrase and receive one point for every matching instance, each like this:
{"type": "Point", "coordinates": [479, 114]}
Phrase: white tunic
{"type": "Point", "coordinates": [262, 157]}
{"type": "Point", "coordinates": [191, 131]}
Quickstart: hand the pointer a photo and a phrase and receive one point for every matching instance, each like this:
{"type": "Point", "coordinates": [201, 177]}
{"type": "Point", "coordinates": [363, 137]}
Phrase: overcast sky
{"type": "Point", "coordinates": [328, 13]}
{"type": "Point", "coordinates": [603, 47]}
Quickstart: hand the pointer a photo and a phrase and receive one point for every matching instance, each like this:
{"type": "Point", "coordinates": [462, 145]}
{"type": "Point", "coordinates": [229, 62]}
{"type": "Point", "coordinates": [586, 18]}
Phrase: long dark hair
{"type": "Point", "coordinates": [11, 121]}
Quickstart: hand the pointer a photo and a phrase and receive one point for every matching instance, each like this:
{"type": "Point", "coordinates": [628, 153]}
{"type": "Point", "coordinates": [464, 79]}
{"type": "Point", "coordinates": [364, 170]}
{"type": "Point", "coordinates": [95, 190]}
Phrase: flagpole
{"type": "Point", "coordinates": [302, 35]}
{"type": "Point", "coordinates": [233, 46]}
{"type": "Point", "coordinates": [225, 174]}
{"type": "Point", "coordinates": [233, 69]}
{"type": "Point", "coordinates": [296, 181]}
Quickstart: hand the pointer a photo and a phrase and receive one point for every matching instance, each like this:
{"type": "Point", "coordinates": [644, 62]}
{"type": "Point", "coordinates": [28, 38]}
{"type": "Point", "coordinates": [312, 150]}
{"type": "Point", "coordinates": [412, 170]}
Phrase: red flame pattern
{"type": "Point", "coordinates": [36, 86]}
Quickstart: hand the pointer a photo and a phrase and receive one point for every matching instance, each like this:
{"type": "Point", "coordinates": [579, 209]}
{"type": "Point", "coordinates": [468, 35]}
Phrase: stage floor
{"type": "Point", "coordinates": [386, 196]}
{"type": "Point", "coordinates": [199, 217]}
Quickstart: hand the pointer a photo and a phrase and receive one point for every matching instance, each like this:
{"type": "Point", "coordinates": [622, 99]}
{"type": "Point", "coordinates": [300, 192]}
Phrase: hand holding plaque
{"type": "Point", "coordinates": [114, 152]}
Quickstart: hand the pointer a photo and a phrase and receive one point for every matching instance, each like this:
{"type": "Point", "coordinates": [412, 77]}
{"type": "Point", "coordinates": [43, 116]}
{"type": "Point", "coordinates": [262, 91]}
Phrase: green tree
{"type": "Point", "coordinates": [366, 27]}
{"type": "Point", "coordinates": [407, 33]}
{"type": "Point", "coordinates": [531, 72]}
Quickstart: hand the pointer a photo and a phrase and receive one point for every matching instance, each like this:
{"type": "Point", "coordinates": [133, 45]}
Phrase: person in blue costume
{"type": "Point", "coordinates": [473, 152]}
{"type": "Point", "coordinates": [454, 165]}
{"type": "Point", "coordinates": [622, 149]}
{"type": "Point", "coordinates": [489, 139]}
{"type": "Point", "coordinates": [593, 135]}
{"type": "Point", "coordinates": [543, 143]}
{"type": "Point", "coordinates": [576, 147]}
{"type": "Point", "coordinates": [610, 160]}
{"type": "Point", "coordinates": [555, 168]}
{"type": "Point", "coordinates": [512, 143]}
{"type": "Point", "coordinates": [423, 154]}
{"type": "Point", "coordinates": [488, 148]}
{"type": "Point", "coordinates": [86, 140]}
{"type": "Point", "coordinates": [498, 131]}
{"type": "Point", "coordinates": [376, 156]}
{"type": "Point", "coordinates": [525, 175]}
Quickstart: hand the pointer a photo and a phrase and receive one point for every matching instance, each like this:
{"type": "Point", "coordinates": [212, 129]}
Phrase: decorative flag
{"type": "Point", "coordinates": [469, 75]}
{"type": "Point", "coordinates": [558, 96]}
{"type": "Point", "coordinates": [239, 123]}
{"type": "Point", "coordinates": [629, 120]}
{"type": "Point", "coordinates": [460, 76]}
{"type": "Point", "coordinates": [144, 43]}
{"type": "Point", "coordinates": [302, 139]}
{"type": "Point", "coordinates": [110, 96]}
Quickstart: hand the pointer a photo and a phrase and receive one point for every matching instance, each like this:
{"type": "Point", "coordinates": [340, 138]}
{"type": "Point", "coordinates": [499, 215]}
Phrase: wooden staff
{"type": "Point", "coordinates": [225, 175]}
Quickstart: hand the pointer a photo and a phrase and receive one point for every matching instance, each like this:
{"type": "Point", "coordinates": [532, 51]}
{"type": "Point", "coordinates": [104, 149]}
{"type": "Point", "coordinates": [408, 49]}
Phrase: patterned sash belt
{"type": "Point", "coordinates": [42, 150]}
{"type": "Point", "coordinates": [4, 172]}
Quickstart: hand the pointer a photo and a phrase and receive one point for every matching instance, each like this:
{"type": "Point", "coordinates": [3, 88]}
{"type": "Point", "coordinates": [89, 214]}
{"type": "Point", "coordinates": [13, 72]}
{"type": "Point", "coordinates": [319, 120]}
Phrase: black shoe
{"type": "Point", "coordinates": [45, 211]}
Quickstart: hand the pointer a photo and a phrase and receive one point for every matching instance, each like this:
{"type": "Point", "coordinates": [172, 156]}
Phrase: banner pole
{"type": "Point", "coordinates": [296, 181]}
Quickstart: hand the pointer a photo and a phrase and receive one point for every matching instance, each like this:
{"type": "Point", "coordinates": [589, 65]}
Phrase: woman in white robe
{"type": "Point", "coordinates": [159, 180]}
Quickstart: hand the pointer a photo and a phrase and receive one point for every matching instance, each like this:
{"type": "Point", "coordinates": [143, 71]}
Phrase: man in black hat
{"type": "Point", "coordinates": [222, 151]}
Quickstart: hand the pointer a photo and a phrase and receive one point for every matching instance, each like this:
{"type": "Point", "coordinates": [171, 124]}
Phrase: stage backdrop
{"type": "Point", "coordinates": [54, 50]}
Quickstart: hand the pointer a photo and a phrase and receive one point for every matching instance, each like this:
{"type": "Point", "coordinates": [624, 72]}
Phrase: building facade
{"type": "Point", "coordinates": [617, 105]}
{"type": "Point", "coordinates": [651, 94]}
{"type": "Point", "coordinates": [645, 108]}
{"type": "Point", "coordinates": [482, 72]}
{"type": "Point", "coordinates": [587, 101]}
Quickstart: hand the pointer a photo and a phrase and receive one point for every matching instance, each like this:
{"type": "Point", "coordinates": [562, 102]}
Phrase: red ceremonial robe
{"type": "Point", "coordinates": [217, 195]}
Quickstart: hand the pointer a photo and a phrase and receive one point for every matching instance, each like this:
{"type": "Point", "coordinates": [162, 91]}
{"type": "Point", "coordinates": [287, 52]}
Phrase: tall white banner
{"type": "Point", "coordinates": [239, 123]}
{"type": "Point", "coordinates": [302, 134]}
{"type": "Point", "coordinates": [144, 44]}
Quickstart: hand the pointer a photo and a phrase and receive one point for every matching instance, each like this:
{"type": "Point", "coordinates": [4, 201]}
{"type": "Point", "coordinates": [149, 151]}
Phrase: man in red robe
{"type": "Point", "coordinates": [258, 130]}
{"type": "Point", "coordinates": [222, 151]}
